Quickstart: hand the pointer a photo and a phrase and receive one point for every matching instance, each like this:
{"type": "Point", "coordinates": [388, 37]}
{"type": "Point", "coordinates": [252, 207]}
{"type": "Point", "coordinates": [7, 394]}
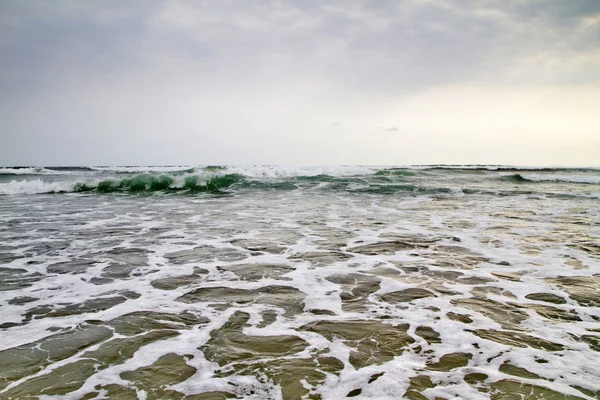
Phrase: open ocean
{"type": "Point", "coordinates": [264, 282]}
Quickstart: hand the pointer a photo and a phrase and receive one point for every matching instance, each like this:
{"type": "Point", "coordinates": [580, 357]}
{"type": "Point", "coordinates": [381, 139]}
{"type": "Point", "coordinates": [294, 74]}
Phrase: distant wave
{"type": "Point", "coordinates": [272, 171]}
{"type": "Point", "coordinates": [396, 172]}
{"type": "Point", "coordinates": [505, 168]}
{"type": "Point", "coordinates": [26, 171]}
{"type": "Point", "coordinates": [43, 170]}
{"type": "Point", "coordinates": [140, 169]}
{"type": "Point", "coordinates": [514, 178]}
{"type": "Point", "coordinates": [262, 171]}
{"type": "Point", "coordinates": [70, 169]}
{"type": "Point", "coordinates": [591, 180]}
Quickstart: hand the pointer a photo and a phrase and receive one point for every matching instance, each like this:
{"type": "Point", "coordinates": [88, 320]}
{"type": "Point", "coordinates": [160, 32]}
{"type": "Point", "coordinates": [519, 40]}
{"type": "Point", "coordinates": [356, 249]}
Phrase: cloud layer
{"type": "Point", "coordinates": [144, 82]}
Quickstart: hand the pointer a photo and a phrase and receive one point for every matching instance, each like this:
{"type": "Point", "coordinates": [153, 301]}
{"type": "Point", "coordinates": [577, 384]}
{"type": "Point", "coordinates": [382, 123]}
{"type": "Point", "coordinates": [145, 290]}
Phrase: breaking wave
{"type": "Point", "coordinates": [34, 186]}
{"type": "Point", "coordinates": [194, 183]}
{"type": "Point", "coordinates": [227, 179]}
{"type": "Point", "coordinates": [137, 184]}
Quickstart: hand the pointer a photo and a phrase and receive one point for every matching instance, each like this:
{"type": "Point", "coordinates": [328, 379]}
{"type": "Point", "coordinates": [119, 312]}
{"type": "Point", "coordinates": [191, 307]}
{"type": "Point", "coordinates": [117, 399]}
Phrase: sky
{"type": "Point", "coordinates": [145, 82]}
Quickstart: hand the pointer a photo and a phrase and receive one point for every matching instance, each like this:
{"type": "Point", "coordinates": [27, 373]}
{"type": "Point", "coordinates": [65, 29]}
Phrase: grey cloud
{"type": "Point", "coordinates": [375, 46]}
{"type": "Point", "coordinates": [87, 74]}
{"type": "Point", "coordinates": [563, 12]}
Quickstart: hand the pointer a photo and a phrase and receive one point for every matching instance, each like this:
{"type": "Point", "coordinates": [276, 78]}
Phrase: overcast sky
{"type": "Point", "coordinates": [299, 82]}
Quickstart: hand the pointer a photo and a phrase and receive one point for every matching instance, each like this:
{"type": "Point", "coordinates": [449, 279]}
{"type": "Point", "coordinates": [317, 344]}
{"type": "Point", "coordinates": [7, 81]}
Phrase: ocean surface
{"type": "Point", "coordinates": [264, 282]}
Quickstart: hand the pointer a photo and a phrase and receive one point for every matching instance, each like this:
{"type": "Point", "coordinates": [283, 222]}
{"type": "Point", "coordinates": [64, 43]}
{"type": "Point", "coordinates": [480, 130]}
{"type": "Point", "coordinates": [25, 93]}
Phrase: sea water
{"type": "Point", "coordinates": [264, 282]}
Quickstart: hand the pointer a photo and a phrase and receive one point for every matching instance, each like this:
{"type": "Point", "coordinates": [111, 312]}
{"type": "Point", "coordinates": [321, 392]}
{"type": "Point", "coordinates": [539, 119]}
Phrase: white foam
{"type": "Point", "coordinates": [35, 186]}
{"type": "Point", "coordinates": [300, 223]}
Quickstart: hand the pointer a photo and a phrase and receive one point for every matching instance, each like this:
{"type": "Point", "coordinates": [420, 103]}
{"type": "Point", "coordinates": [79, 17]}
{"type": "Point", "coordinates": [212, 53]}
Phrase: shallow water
{"type": "Point", "coordinates": [288, 282]}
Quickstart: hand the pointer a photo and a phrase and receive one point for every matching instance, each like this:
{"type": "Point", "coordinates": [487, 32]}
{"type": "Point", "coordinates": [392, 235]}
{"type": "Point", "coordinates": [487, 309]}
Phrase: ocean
{"type": "Point", "coordinates": [315, 282]}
